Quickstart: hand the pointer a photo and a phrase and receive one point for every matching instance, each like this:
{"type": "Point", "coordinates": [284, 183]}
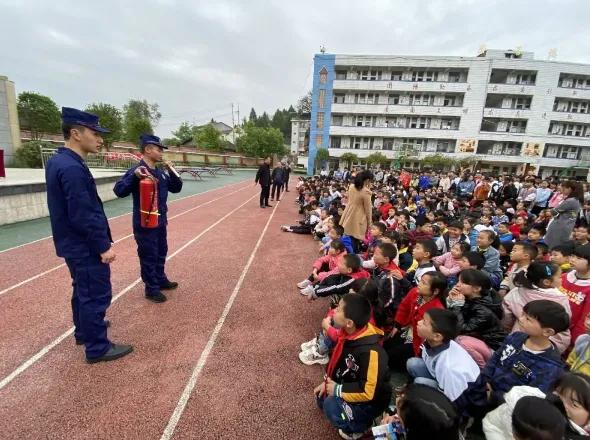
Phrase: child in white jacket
{"type": "Point", "coordinates": [539, 282]}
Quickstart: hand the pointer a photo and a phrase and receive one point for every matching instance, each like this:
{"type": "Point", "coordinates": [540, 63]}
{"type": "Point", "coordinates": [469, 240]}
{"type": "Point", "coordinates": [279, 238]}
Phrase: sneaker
{"type": "Point", "coordinates": [309, 344]}
{"type": "Point", "coordinates": [312, 356]}
{"type": "Point", "coordinates": [303, 284]}
{"type": "Point", "coordinates": [350, 436]}
{"type": "Point", "coordinates": [308, 291]}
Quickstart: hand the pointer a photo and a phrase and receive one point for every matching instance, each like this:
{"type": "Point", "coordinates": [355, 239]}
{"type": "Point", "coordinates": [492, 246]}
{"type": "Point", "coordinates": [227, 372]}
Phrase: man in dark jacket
{"type": "Point", "coordinates": [356, 388]}
{"type": "Point", "coordinates": [263, 177]}
{"type": "Point", "coordinates": [287, 171]}
{"type": "Point", "coordinates": [277, 177]}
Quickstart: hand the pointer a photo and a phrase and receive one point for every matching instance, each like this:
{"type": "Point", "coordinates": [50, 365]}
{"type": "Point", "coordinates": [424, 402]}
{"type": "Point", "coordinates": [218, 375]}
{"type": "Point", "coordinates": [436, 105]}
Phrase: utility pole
{"type": "Point", "coordinates": [233, 124]}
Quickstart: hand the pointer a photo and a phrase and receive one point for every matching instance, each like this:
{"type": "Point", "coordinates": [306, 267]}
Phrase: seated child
{"type": "Point", "coordinates": [579, 358]}
{"type": "Point", "coordinates": [540, 281]}
{"type": "Point", "coordinates": [543, 252]}
{"type": "Point", "coordinates": [376, 231]}
{"type": "Point", "coordinates": [479, 314]}
{"type": "Point", "coordinates": [406, 260]}
{"type": "Point", "coordinates": [449, 264]}
{"type": "Point", "coordinates": [404, 341]}
{"type": "Point", "coordinates": [444, 364]}
{"type": "Point", "coordinates": [525, 358]}
{"type": "Point", "coordinates": [454, 235]}
{"type": "Point", "coordinates": [326, 265]}
{"type": "Point", "coordinates": [576, 286]}
{"type": "Point", "coordinates": [485, 239]}
{"type": "Point", "coordinates": [537, 418]}
{"type": "Point", "coordinates": [560, 255]}
{"type": "Point", "coordinates": [521, 257]}
{"type": "Point", "coordinates": [505, 249]}
{"type": "Point", "coordinates": [337, 232]}
{"type": "Point", "coordinates": [306, 226]}
{"type": "Point", "coordinates": [535, 234]}
{"type": "Point", "coordinates": [356, 388]}
{"type": "Point", "coordinates": [423, 252]}
{"type": "Point", "coordinates": [472, 260]}
{"type": "Point", "coordinates": [581, 235]}
{"type": "Point", "coordinates": [349, 270]}
{"type": "Point", "coordinates": [504, 234]}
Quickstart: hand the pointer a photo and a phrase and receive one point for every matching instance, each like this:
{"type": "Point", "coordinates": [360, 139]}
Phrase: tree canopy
{"type": "Point", "coordinates": [260, 142]}
{"type": "Point", "coordinates": [38, 113]}
{"type": "Point", "coordinates": [110, 117]}
{"type": "Point", "coordinates": [139, 118]}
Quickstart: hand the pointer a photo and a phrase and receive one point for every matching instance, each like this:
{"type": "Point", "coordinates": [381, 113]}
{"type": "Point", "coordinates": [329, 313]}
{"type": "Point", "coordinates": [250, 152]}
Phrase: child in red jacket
{"type": "Point", "coordinates": [576, 285]}
{"type": "Point", "coordinates": [404, 344]}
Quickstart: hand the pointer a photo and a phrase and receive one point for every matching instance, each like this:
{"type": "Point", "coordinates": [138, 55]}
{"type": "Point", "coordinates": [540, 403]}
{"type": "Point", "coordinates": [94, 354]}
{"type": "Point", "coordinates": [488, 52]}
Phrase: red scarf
{"type": "Point", "coordinates": [337, 352]}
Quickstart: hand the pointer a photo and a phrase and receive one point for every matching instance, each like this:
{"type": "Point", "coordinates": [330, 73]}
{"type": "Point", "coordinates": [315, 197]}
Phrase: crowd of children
{"type": "Point", "coordinates": [455, 287]}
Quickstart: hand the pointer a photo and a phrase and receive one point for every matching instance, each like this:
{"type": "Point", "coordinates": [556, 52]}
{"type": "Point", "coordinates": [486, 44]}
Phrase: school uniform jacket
{"type": "Point", "coordinates": [578, 292]}
{"type": "Point", "coordinates": [338, 284]}
{"type": "Point", "coordinates": [362, 371]}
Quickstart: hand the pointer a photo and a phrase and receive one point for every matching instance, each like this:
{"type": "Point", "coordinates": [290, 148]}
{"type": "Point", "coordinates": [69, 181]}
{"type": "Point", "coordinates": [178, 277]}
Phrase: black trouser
{"type": "Point", "coordinates": [356, 244]}
{"type": "Point", "coordinates": [276, 187]}
{"type": "Point", "coordinates": [285, 186]}
{"type": "Point", "coordinates": [264, 193]}
{"type": "Point", "coordinates": [305, 229]}
{"type": "Point", "coordinates": [398, 352]}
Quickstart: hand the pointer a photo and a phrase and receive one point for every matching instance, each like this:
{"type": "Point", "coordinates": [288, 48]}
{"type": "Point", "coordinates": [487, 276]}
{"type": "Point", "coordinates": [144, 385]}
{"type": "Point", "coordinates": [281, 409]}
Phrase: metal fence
{"type": "Point", "coordinates": [107, 159]}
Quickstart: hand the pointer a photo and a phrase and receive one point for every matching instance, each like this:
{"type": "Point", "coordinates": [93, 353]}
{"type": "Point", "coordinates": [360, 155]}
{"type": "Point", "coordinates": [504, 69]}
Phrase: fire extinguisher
{"type": "Point", "coordinates": [148, 202]}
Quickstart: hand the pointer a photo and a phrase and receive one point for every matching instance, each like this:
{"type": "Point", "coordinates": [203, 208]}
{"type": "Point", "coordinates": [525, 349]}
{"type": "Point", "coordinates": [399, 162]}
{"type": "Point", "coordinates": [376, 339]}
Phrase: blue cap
{"type": "Point", "coordinates": [150, 139]}
{"type": "Point", "coordinates": [74, 116]}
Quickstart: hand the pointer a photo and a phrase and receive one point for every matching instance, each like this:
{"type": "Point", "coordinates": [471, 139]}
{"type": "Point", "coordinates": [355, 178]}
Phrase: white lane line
{"type": "Point", "coordinates": [39, 275]}
{"type": "Point", "coordinates": [41, 353]}
{"type": "Point", "coordinates": [129, 213]}
{"type": "Point", "coordinates": [192, 382]}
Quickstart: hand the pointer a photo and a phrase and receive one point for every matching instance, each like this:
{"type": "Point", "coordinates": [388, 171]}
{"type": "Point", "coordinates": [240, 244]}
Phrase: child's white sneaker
{"type": "Point", "coordinates": [303, 284]}
{"type": "Point", "coordinates": [309, 344]}
{"type": "Point", "coordinates": [351, 436]}
{"type": "Point", "coordinates": [312, 356]}
{"type": "Point", "coordinates": [307, 291]}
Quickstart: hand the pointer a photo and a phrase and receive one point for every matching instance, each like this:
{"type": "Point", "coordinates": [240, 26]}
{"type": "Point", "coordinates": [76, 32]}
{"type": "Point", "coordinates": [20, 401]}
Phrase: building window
{"type": "Point", "coordinates": [426, 76]}
{"type": "Point", "coordinates": [339, 98]}
{"type": "Point", "coordinates": [318, 140]}
{"type": "Point", "coordinates": [454, 77]}
{"type": "Point", "coordinates": [335, 142]}
{"type": "Point", "coordinates": [337, 120]}
{"type": "Point", "coordinates": [320, 120]}
{"type": "Point", "coordinates": [371, 75]}
{"type": "Point", "coordinates": [322, 98]}
{"type": "Point", "coordinates": [393, 99]}
{"type": "Point", "coordinates": [388, 144]}
{"type": "Point", "coordinates": [340, 74]}
{"type": "Point", "coordinates": [323, 76]}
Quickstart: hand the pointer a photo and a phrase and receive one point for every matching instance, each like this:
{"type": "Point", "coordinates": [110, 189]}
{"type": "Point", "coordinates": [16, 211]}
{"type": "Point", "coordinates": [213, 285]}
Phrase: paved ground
{"type": "Point", "coordinates": [218, 360]}
{"type": "Point", "coordinates": [24, 232]}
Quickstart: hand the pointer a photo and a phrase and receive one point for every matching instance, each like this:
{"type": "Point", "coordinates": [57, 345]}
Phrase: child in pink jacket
{"type": "Point", "coordinates": [540, 281]}
{"type": "Point", "coordinates": [448, 263]}
{"type": "Point", "coordinates": [326, 265]}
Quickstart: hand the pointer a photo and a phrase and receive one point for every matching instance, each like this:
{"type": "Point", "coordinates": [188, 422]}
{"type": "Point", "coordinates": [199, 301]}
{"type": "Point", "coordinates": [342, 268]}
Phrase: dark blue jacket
{"type": "Point", "coordinates": [129, 184]}
{"type": "Point", "coordinates": [423, 182]}
{"type": "Point", "coordinates": [78, 222]}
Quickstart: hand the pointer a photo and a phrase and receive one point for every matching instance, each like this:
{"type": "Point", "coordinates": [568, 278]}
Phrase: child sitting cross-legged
{"type": "Point", "coordinates": [404, 341]}
{"type": "Point", "coordinates": [449, 263]}
{"type": "Point", "coordinates": [326, 265]}
{"type": "Point", "coordinates": [521, 256]}
{"type": "Point", "coordinates": [349, 270]}
{"type": "Point", "coordinates": [479, 313]}
{"type": "Point", "coordinates": [540, 281]}
{"type": "Point", "coordinates": [525, 358]}
{"type": "Point", "coordinates": [356, 387]}
{"type": "Point", "coordinates": [444, 364]}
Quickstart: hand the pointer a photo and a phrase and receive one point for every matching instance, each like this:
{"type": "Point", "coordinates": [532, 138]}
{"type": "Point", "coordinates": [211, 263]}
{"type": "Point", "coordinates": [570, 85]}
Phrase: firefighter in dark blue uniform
{"type": "Point", "coordinates": [152, 245]}
{"type": "Point", "coordinates": [81, 233]}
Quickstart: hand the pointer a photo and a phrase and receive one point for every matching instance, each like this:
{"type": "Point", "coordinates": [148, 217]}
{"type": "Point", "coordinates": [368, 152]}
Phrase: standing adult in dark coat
{"type": "Point", "coordinates": [263, 177]}
{"type": "Point", "coordinates": [278, 178]}
{"type": "Point", "coordinates": [287, 170]}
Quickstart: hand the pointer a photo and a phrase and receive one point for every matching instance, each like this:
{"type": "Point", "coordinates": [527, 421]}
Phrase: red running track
{"type": "Point", "coordinates": [245, 378]}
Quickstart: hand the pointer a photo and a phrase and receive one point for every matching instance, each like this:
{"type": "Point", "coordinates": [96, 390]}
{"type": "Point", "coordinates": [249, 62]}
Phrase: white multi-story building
{"type": "Point", "coordinates": [511, 112]}
{"type": "Point", "coordinates": [299, 129]}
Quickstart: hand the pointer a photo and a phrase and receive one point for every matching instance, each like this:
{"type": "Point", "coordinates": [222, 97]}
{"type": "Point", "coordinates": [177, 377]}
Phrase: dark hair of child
{"type": "Point", "coordinates": [388, 250]}
{"type": "Point", "coordinates": [456, 225]}
{"type": "Point", "coordinates": [352, 262]}
{"type": "Point", "coordinates": [549, 314]}
{"type": "Point", "coordinates": [535, 418]}
{"type": "Point", "coordinates": [564, 249]}
{"type": "Point", "coordinates": [528, 249]}
{"type": "Point", "coordinates": [582, 251]}
{"type": "Point", "coordinates": [464, 247]}
{"type": "Point", "coordinates": [492, 238]}
{"type": "Point", "coordinates": [475, 277]}
{"type": "Point", "coordinates": [380, 226]}
{"type": "Point", "coordinates": [427, 414]}
{"type": "Point", "coordinates": [438, 282]}
{"type": "Point", "coordinates": [444, 322]}
{"type": "Point", "coordinates": [542, 249]}
{"type": "Point", "coordinates": [403, 241]}
{"type": "Point", "coordinates": [356, 308]}
{"type": "Point", "coordinates": [428, 246]}
{"type": "Point", "coordinates": [507, 245]}
{"type": "Point", "coordinates": [337, 245]}
{"type": "Point", "coordinates": [536, 272]}
{"type": "Point", "coordinates": [475, 259]}
{"type": "Point", "coordinates": [540, 228]}
{"type": "Point", "coordinates": [375, 217]}
{"type": "Point", "coordinates": [339, 230]}
{"type": "Point", "coordinates": [577, 385]}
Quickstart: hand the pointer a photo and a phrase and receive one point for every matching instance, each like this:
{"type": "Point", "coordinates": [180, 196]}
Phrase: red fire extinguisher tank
{"type": "Point", "coordinates": [148, 202]}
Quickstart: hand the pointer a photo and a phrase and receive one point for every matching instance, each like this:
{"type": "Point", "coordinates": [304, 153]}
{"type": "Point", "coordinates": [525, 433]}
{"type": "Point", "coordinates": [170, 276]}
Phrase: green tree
{"type": "Point", "coordinates": [376, 158]}
{"type": "Point", "coordinates": [139, 118]}
{"type": "Point", "coordinates": [304, 104]}
{"type": "Point", "coordinates": [261, 142]}
{"type": "Point", "coordinates": [253, 116]}
{"type": "Point", "coordinates": [322, 155]}
{"type": "Point", "coordinates": [29, 154]}
{"type": "Point", "coordinates": [110, 117]}
{"type": "Point", "coordinates": [263, 121]}
{"type": "Point", "coordinates": [438, 161]}
{"type": "Point", "coordinates": [349, 158]}
{"type": "Point", "coordinates": [38, 114]}
{"type": "Point", "coordinates": [209, 138]}
{"type": "Point", "coordinates": [184, 132]}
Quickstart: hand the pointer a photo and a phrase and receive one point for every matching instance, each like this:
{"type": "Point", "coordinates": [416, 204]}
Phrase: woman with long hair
{"type": "Point", "coordinates": [561, 227]}
{"type": "Point", "coordinates": [357, 215]}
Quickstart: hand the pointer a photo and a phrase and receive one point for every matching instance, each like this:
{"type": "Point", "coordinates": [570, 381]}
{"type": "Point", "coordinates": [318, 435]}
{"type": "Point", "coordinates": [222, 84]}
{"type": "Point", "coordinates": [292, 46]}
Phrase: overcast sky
{"type": "Point", "coordinates": [194, 58]}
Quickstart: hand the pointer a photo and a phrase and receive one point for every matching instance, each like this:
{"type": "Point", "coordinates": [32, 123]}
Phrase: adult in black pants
{"type": "Point", "coordinates": [263, 177]}
{"type": "Point", "coordinates": [287, 172]}
{"type": "Point", "coordinates": [277, 177]}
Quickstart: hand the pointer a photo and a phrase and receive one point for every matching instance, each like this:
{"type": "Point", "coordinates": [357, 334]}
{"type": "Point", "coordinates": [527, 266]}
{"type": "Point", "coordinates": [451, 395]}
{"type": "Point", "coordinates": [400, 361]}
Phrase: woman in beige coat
{"type": "Point", "coordinates": [357, 215]}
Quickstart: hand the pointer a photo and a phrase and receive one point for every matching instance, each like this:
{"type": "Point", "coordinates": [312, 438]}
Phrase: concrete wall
{"type": "Point", "coordinates": [29, 201]}
{"type": "Point", "coordinates": [9, 126]}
